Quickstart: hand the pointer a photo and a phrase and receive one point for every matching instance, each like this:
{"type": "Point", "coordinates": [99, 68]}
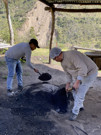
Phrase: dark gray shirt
{"type": "Point", "coordinates": [19, 50]}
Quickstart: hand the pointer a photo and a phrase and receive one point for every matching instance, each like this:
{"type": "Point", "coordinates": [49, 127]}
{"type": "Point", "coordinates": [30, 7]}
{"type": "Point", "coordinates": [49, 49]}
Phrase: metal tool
{"type": "Point", "coordinates": [44, 76]}
{"type": "Point", "coordinates": [72, 88]}
{"type": "Point", "coordinates": [75, 129]}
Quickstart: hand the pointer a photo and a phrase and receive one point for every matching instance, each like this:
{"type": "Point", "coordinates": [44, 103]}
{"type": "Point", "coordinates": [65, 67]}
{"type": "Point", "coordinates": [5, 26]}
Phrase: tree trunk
{"type": "Point", "coordinates": [9, 22]}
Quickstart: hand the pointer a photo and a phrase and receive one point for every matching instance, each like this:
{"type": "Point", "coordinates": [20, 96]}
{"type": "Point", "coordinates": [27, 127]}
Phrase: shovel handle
{"type": "Point", "coordinates": [39, 73]}
{"type": "Point", "coordinates": [70, 89]}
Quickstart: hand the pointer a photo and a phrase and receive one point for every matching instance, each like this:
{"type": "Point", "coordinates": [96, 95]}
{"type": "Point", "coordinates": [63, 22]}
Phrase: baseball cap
{"type": "Point", "coordinates": [55, 52]}
{"type": "Point", "coordinates": [35, 42]}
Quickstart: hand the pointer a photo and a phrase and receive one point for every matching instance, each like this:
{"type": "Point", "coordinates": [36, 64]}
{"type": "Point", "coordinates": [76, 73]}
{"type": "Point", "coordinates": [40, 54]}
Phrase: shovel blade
{"type": "Point", "coordinates": [45, 77]}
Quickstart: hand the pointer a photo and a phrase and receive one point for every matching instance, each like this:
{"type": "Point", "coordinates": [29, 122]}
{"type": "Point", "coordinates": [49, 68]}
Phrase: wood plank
{"type": "Point", "coordinates": [78, 10]}
{"type": "Point", "coordinates": [3, 45]}
{"type": "Point", "coordinates": [47, 3]}
{"type": "Point", "coordinates": [75, 10]}
{"type": "Point", "coordinates": [75, 2]}
{"type": "Point", "coordinates": [76, 48]}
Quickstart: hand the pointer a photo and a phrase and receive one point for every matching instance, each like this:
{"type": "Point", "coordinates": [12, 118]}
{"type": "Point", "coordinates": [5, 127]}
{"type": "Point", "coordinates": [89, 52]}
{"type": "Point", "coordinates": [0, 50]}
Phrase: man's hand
{"type": "Point", "coordinates": [76, 84]}
{"type": "Point", "coordinates": [36, 70]}
{"type": "Point", "coordinates": [67, 86]}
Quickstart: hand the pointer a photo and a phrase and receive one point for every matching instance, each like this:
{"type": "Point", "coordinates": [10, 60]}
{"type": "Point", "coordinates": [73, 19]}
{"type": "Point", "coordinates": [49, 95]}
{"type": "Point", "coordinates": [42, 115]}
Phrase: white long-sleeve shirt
{"type": "Point", "coordinates": [77, 65]}
{"type": "Point", "coordinates": [19, 50]}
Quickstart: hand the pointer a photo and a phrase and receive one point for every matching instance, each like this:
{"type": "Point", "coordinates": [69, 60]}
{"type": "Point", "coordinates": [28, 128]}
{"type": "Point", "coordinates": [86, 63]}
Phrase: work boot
{"type": "Point", "coordinates": [73, 117]}
{"type": "Point", "coordinates": [61, 111]}
{"type": "Point", "coordinates": [82, 109]}
{"type": "Point", "coordinates": [20, 88]}
{"type": "Point", "coordinates": [10, 93]}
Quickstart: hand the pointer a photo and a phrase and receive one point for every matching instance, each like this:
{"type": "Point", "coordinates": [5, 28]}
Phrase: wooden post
{"type": "Point", "coordinates": [52, 31]}
{"type": "Point", "coordinates": [9, 22]}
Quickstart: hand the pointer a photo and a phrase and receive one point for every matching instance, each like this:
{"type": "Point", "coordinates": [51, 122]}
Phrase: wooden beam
{"type": "Point", "coordinates": [77, 10]}
{"type": "Point", "coordinates": [52, 31]}
{"type": "Point", "coordinates": [77, 3]}
{"type": "Point", "coordinates": [47, 3]}
{"type": "Point", "coordinates": [70, 2]}
{"type": "Point", "coordinates": [74, 10]}
{"type": "Point", "coordinates": [4, 45]}
{"type": "Point", "coordinates": [82, 48]}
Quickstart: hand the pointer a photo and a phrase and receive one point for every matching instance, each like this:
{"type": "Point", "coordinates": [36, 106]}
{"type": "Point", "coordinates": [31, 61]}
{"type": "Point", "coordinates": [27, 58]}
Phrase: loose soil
{"type": "Point", "coordinates": [30, 113]}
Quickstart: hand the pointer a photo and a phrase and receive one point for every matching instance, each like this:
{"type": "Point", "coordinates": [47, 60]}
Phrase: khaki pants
{"type": "Point", "coordinates": [79, 95]}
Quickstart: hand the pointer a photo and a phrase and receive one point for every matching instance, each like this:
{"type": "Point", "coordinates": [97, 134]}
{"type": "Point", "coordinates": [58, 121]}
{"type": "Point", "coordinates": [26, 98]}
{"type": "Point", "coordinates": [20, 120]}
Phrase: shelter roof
{"type": "Point", "coordinates": [52, 2]}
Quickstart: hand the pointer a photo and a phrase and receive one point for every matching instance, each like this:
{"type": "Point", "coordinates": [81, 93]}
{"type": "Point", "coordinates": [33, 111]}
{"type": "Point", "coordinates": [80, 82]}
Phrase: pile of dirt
{"type": "Point", "coordinates": [26, 113]}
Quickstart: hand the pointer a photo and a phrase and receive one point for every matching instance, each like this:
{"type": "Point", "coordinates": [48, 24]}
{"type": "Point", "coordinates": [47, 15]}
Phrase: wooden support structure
{"type": "Point", "coordinates": [52, 31]}
{"type": "Point", "coordinates": [52, 9]}
{"type": "Point", "coordinates": [94, 54]}
{"type": "Point", "coordinates": [75, 2]}
{"type": "Point", "coordinates": [75, 10]}
{"type": "Point", "coordinates": [3, 45]}
{"type": "Point", "coordinates": [45, 2]}
{"type": "Point", "coordinates": [82, 48]}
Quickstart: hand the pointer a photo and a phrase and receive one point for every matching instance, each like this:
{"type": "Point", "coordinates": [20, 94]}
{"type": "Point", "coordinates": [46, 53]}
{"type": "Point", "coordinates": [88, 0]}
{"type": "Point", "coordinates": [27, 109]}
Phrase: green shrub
{"type": "Point", "coordinates": [2, 51]}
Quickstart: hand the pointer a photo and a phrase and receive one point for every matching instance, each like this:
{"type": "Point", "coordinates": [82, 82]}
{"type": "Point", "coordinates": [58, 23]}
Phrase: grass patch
{"type": "Point", "coordinates": [42, 55]}
{"type": "Point", "coordinates": [2, 63]}
{"type": "Point", "coordinates": [26, 74]}
{"type": "Point", "coordinates": [4, 77]}
{"type": "Point", "coordinates": [2, 51]}
{"type": "Point", "coordinates": [41, 52]}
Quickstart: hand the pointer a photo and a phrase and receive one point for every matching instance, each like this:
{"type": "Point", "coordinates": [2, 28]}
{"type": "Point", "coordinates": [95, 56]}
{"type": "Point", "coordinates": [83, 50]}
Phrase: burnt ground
{"type": "Point", "coordinates": [26, 114]}
{"type": "Point", "coordinates": [31, 112]}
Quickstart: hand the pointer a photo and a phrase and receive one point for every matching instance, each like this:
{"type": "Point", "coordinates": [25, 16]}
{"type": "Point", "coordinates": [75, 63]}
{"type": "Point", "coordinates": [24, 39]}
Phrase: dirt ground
{"type": "Point", "coordinates": [30, 114]}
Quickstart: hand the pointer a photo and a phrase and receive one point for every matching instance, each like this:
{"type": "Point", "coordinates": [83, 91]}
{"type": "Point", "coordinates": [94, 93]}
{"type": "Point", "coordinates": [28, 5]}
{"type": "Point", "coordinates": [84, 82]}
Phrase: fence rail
{"type": "Point", "coordinates": [3, 45]}
{"type": "Point", "coordinates": [76, 48]}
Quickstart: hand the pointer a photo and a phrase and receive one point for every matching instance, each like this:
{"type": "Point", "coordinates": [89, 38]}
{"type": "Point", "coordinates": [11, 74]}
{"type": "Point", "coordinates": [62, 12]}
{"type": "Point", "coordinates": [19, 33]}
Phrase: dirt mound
{"type": "Point", "coordinates": [27, 113]}
{"type": "Point", "coordinates": [31, 112]}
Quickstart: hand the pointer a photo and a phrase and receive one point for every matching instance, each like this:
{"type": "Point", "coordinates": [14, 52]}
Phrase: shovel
{"type": "Point", "coordinates": [72, 88]}
{"type": "Point", "coordinates": [44, 76]}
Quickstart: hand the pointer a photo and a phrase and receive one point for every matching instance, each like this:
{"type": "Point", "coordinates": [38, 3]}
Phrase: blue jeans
{"type": "Point", "coordinates": [13, 66]}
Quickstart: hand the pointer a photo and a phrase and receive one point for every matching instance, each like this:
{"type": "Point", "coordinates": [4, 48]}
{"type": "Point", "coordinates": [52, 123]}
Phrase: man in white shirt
{"type": "Point", "coordinates": [81, 71]}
